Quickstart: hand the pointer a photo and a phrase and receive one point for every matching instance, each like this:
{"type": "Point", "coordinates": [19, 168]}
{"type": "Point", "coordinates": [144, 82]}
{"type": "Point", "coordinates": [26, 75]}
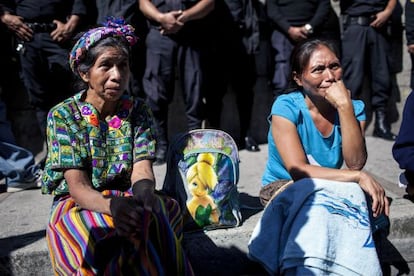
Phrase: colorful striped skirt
{"type": "Point", "coordinates": [82, 242]}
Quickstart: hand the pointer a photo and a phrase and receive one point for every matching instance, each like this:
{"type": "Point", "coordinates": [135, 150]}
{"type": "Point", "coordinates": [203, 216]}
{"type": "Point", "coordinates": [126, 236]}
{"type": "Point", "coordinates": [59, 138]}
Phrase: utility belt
{"type": "Point", "coordinates": [36, 28]}
{"type": "Point", "coordinates": [357, 20]}
{"type": "Point", "coordinates": [41, 27]}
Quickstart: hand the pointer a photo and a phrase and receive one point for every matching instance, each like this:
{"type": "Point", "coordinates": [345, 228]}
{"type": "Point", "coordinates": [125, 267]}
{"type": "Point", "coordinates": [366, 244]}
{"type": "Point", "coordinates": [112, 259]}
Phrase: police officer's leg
{"type": "Point", "coordinates": [158, 84]}
{"type": "Point", "coordinates": [215, 84]}
{"type": "Point", "coordinates": [34, 73]}
{"type": "Point", "coordinates": [191, 78]}
{"type": "Point", "coordinates": [60, 78]}
{"type": "Point", "coordinates": [10, 84]}
{"type": "Point", "coordinates": [381, 82]}
{"type": "Point", "coordinates": [353, 62]}
{"type": "Point", "coordinates": [282, 48]}
{"type": "Point", "coordinates": [137, 70]}
{"type": "Point", "coordinates": [243, 77]}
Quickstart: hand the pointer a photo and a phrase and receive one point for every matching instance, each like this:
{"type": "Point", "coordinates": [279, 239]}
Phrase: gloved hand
{"type": "Point", "coordinates": [127, 216]}
{"type": "Point", "coordinates": [144, 193]}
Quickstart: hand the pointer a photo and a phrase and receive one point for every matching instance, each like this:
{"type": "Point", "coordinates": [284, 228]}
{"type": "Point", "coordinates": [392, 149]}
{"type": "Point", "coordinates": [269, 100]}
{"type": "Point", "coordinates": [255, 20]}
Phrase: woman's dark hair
{"type": "Point", "coordinates": [301, 54]}
{"type": "Point", "coordinates": [93, 53]}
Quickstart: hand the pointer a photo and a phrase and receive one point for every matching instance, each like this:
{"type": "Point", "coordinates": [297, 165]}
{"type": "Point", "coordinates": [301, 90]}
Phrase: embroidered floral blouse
{"type": "Point", "coordinates": [106, 149]}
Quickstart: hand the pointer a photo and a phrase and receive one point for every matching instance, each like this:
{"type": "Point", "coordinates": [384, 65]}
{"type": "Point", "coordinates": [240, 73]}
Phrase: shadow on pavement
{"type": "Point", "coordinates": [8, 245]}
{"type": "Point", "coordinates": [249, 205]}
{"type": "Point", "coordinates": [390, 256]}
{"type": "Point", "coordinates": [210, 259]}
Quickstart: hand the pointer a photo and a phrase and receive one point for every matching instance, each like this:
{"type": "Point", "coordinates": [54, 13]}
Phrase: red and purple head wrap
{"type": "Point", "coordinates": [112, 28]}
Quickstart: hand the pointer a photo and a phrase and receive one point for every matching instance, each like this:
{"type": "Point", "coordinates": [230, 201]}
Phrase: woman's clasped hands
{"type": "Point", "coordinates": [131, 214]}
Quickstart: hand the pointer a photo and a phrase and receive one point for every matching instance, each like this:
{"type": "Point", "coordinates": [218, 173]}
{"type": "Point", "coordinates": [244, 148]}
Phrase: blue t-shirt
{"type": "Point", "coordinates": [320, 150]}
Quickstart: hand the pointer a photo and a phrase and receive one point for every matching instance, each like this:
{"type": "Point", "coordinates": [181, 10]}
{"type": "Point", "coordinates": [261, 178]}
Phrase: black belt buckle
{"type": "Point", "coordinates": [359, 20]}
{"type": "Point", "coordinates": [41, 27]}
{"type": "Point", "coordinates": [345, 19]}
{"type": "Point", "coordinates": [365, 20]}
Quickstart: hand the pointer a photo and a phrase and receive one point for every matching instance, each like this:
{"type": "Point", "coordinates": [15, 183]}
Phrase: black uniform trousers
{"type": "Point", "coordinates": [164, 55]}
{"type": "Point", "coordinates": [365, 51]}
{"type": "Point", "coordinates": [229, 66]}
{"type": "Point", "coordinates": [282, 49]}
{"type": "Point", "coordinates": [45, 73]}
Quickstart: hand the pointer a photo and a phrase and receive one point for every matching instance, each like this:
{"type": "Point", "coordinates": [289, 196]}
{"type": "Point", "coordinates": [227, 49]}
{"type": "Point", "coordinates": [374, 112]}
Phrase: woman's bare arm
{"type": "Point", "coordinates": [80, 188]}
{"type": "Point", "coordinates": [353, 142]}
{"type": "Point", "coordinates": [291, 151]}
{"type": "Point", "coordinates": [295, 161]}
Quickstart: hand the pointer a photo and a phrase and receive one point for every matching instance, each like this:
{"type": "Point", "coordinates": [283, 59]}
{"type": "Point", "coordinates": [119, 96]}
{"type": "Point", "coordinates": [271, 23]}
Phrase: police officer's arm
{"type": "Point", "coordinates": [383, 16]}
{"type": "Point", "coordinates": [13, 22]}
{"type": "Point", "coordinates": [168, 21]}
{"type": "Point", "coordinates": [321, 14]}
{"type": "Point", "coordinates": [278, 19]}
{"type": "Point", "coordinates": [319, 17]}
{"type": "Point", "coordinates": [403, 148]}
{"type": "Point", "coordinates": [65, 30]}
{"type": "Point", "coordinates": [7, 6]}
{"type": "Point", "coordinates": [198, 11]}
{"type": "Point", "coordinates": [275, 15]}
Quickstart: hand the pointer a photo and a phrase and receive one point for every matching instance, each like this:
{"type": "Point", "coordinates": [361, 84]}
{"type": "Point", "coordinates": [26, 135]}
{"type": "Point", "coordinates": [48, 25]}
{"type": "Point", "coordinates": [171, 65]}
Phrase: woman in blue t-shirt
{"type": "Point", "coordinates": [316, 211]}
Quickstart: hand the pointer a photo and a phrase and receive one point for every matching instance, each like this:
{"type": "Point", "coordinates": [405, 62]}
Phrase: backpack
{"type": "Point", "coordinates": [202, 175]}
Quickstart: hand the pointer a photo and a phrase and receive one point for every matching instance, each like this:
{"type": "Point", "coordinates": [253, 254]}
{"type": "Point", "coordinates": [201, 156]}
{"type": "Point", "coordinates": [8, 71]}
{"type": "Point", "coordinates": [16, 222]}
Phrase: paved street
{"type": "Point", "coordinates": [24, 216]}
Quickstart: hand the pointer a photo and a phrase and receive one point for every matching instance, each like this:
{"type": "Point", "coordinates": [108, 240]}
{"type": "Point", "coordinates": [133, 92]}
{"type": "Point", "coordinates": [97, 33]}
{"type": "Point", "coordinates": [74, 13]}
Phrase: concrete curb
{"type": "Point", "coordinates": [23, 249]}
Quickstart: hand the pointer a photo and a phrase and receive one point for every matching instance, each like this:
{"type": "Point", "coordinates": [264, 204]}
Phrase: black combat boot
{"type": "Point", "coordinates": [382, 127]}
{"type": "Point", "coordinates": [250, 144]}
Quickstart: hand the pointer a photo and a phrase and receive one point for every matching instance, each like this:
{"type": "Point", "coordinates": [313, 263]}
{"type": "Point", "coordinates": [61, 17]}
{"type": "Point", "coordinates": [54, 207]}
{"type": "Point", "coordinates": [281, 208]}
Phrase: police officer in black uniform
{"type": "Point", "coordinates": [365, 48]}
{"type": "Point", "coordinates": [176, 38]}
{"type": "Point", "coordinates": [231, 63]}
{"type": "Point", "coordinates": [292, 21]}
{"type": "Point", "coordinates": [129, 11]}
{"type": "Point", "coordinates": [43, 29]}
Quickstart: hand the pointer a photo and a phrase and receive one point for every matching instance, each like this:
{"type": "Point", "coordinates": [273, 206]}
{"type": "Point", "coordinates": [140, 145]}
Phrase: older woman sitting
{"type": "Point", "coordinates": [106, 216]}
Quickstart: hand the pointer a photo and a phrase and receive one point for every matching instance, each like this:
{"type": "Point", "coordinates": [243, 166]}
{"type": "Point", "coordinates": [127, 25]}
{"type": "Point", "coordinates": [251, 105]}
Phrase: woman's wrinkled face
{"type": "Point", "coordinates": [109, 75]}
{"type": "Point", "coordinates": [321, 71]}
